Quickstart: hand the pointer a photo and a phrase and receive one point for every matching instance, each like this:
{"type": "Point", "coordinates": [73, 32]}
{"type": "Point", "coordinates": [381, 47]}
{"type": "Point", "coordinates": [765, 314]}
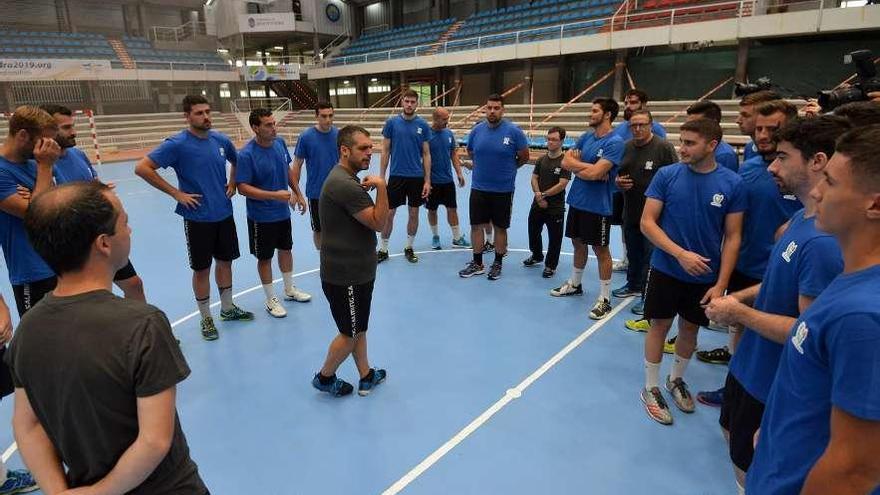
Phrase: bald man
{"type": "Point", "coordinates": [443, 160]}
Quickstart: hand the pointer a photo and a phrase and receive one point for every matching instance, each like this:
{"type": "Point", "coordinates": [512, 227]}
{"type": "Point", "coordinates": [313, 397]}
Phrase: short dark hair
{"type": "Point", "coordinates": [496, 97]}
{"type": "Point", "coordinates": [190, 101]}
{"type": "Point", "coordinates": [768, 108]}
{"type": "Point", "coordinates": [410, 93]}
{"type": "Point", "coordinates": [860, 113]}
{"type": "Point", "coordinates": [707, 109]}
{"type": "Point", "coordinates": [322, 105]}
{"type": "Point", "coordinates": [758, 97]}
{"type": "Point", "coordinates": [811, 136]}
{"type": "Point", "coordinates": [557, 130]}
{"type": "Point", "coordinates": [609, 105]}
{"type": "Point", "coordinates": [642, 112]}
{"type": "Point", "coordinates": [63, 222]}
{"type": "Point", "coordinates": [862, 147]}
{"type": "Point", "coordinates": [257, 114]}
{"type": "Point", "coordinates": [52, 109]}
{"type": "Point", "coordinates": [709, 129]}
{"type": "Point", "coordinates": [643, 97]}
{"type": "Point", "coordinates": [347, 133]}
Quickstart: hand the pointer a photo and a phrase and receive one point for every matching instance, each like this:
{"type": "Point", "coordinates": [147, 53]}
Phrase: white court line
{"type": "Point", "coordinates": [12, 448]}
{"type": "Point", "coordinates": [511, 394]}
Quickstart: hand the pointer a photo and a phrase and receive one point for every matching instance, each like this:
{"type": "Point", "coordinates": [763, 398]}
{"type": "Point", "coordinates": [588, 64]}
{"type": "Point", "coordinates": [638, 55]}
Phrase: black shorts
{"type": "Point", "coordinates": [741, 417]}
{"type": "Point", "coordinates": [30, 293]}
{"type": "Point", "coordinates": [740, 281]}
{"type": "Point", "coordinates": [617, 208]}
{"type": "Point", "coordinates": [590, 228]}
{"type": "Point", "coordinates": [667, 296]}
{"type": "Point", "coordinates": [405, 190]}
{"type": "Point", "coordinates": [265, 237]}
{"type": "Point", "coordinates": [125, 273]}
{"type": "Point", "coordinates": [210, 240]}
{"type": "Point", "coordinates": [441, 194]}
{"type": "Point", "coordinates": [494, 207]}
{"type": "Point", "coordinates": [350, 306]}
{"type": "Point", "coordinates": [315, 215]}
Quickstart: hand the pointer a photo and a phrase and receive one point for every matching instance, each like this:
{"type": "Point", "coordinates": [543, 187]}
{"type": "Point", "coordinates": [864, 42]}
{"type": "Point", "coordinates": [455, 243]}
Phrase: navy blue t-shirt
{"type": "Point", "coordinates": [320, 153]}
{"type": "Point", "coordinates": [803, 263]}
{"type": "Point", "coordinates": [750, 151]}
{"type": "Point", "coordinates": [406, 138]}
{"type": "Point", "coordinates": [767, 209]}
{"type": "Point", "coordinates": [594, 196]}
{"type": "Point", "coordinates": [200, 165]}
{"type": "Point", "coordinates": [267, 169]}
{"type": "Point", "coordinates": [442, 145]}
{"type": "Point", "coordinates": [695, 207]}
{"type": "Point", "coordinates": [22, 262]}
{"type": "Point", "coordinates": [830, 360]}
{"type": "Point", "coordinates": [73, 166]}
{"type": "Point", "coordinates": [625, 132]}
{"type": "Point", "coordinates": [494, 152]}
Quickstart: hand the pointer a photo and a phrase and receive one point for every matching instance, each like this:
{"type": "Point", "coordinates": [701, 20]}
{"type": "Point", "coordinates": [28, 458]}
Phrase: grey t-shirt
{"type": "Point", "coordinates": [641, 163]}
{"type": "Point", "coordinates": [83, 361]}
{"type": "Point", "coordinates": [348, 247]}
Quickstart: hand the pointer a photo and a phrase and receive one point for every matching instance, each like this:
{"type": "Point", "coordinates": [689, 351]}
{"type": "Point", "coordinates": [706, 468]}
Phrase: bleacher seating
{"type": "Point", "coordinates": [36, 44]}
{"type": "Point", "coordinates": [148, 57]}
{"type": "Point", "coordinates": [408, 36]}
{"type": "Point", "coordinates": [580, 17]}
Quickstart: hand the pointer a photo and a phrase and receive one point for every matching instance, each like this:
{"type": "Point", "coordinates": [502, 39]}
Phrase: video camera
{"type": "Point", "coordinates": [762, 84]}
{"type": "Point", "coordinates": [866, 82]}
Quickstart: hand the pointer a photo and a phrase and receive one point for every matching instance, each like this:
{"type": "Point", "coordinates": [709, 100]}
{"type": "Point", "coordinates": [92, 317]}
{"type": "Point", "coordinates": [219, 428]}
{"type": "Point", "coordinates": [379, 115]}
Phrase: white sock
{"type": "Point", "coordinates": [679, 364]}
{"type": "Point", "coordinates": [490, 237]}
{"type": "Point", "coordinates": [605, 286]}
{"type": "Point", "coordinates": [435, 230]}
{"type": "Point", "coordinates": [456, 232]}
{"type": "Point", "coordinates": [409, 240]}
{"type": "Point", "coordinates": [740, 490]}
{"type": "Point", "coordinates": [288, 280]}
{"type": "Point", "coordinates": [226, 299]}
{"type": "Point", "coordinates": [652, 375]}
{"type": "Point", "coordinates": [204, 306]}
{"type": "Point", "coordinates": [269, 290]}
{"type": "Point", "coordinates": [384, 245]}
{"type": "Point", "coordinates": [576, 275]}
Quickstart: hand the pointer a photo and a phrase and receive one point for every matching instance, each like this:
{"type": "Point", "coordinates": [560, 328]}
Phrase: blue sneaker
{"type": "Point", "coordinates": [435, 242]}
{"type": "Point", "coordinates": [366, 386]}
{"type": "Point", "coordinates": [461, 242]}
{"type": "Point", "coordinates": [639, 308]}
{"type": "Point", "coordinates": [18, 481]}
{"type": "Point", "coordinates": [626, 291]}
{"type": "Point", "coordinates": [712, 399]}
{"type": "Point", "coordinates": [337, 387]}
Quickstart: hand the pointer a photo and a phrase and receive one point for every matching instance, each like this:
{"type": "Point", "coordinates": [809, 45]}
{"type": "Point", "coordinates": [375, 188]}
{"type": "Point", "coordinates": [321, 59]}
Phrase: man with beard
{"type": "Point", "coordinates": [747, 116]}
{"type": "Point", "coordinates": [725, 155]}
{"type": "Point", "coordinates": [348, 263]}
{"type": "Point", "coordinates": [73, 165]}
{"type": "Point", "coordinates": [443, 160]}
{"type": "Point", "coordinates": [198, 156]}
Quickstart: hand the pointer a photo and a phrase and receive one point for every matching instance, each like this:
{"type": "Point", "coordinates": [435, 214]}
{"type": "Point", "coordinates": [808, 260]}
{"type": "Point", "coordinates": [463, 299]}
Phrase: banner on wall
{"type": "Point", "coordinates": [267, 23]}
{"type": "Point", "coordinates": [281, 72]}
{"type": "Point", "coordinates": [29, 69]}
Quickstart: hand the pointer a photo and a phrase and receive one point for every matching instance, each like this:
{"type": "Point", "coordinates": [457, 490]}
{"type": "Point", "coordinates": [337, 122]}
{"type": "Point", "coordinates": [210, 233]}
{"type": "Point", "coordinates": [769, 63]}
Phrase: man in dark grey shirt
{"type": "Point", "coordinates": [105, 407]}
{"type": "Point", "coordinates": [349, 222]}
{"type": "Point", "coordinates": [643, 155]}
{"type": "Point", "coordinates": [549, 180]}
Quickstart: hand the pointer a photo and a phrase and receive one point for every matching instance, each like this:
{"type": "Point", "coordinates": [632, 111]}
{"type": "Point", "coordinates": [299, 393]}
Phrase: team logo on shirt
{"type": "Point", "coordinates": [557, 170]}
{"type": "Point", "coordinates": [800, 335]}
{"type": "Point", "coordinates": [599, 153]}
{"type": "Point", "coordinates": [450, 140]}
{"type": "Point", "coordinates": [649, 165]}
{"type": "Point", "coordinates": [717, 200]}
{"type": "Point", "coordinates": [790, 197]}
{"type": "Point", "coordinates": [222, 152]}
{"type": "Point", "coordinates": [507, 141]}
{"type": "Point", "coordinates": [418, 130]}
{"type": "Point", "coordinates": [789, 250]}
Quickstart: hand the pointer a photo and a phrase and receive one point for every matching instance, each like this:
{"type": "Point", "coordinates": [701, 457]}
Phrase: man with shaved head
{"type": "Point", "coordinates": [443, 160]}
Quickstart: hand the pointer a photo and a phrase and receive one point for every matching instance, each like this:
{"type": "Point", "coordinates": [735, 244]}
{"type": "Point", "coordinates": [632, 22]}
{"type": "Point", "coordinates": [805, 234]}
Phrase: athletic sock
{"type": "Point", "coordinates": [409, 241]}
{"type": "Point", "coordinates": [679, 364]}
{"type": "Point", "coordinates": [269, 290]}
{"type": "Point", "coordinates": [478, 258]}
{"type": "Point", "coordinates": [288, 280]}
{"type": "Point", "coordinates": [384, 245]}
{"type": "Point", "coordinates": [226, 298]}
{"type": "Point", "coordinates": [576, 275]}
{"type": "Point", "coordinates": [490, 237]}
{"type": "Point", "coordinates": [204, 306]}
{"type": "Point", "coordinates": [605, 289]}
{"type": "Point", "coordinates": [456, 232]}
{"type": "Point", "coordinates": [435, 229]}
{"type": "Point", "coordinates": [499, 258]}
{"type": "Point", "coordinates": [652, 375]}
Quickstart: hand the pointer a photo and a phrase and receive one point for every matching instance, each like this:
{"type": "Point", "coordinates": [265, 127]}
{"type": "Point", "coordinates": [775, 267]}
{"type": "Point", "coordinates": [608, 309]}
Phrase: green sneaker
{"type": "Point", "coordinates": [236, 314]}
{"type": "Point", "coordinates": [640, 325]}
{"type": "Point", "coordinates": [209, 331]}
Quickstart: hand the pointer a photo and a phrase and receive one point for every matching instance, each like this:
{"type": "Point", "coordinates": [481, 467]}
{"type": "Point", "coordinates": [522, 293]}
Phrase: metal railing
{"type": "Point", "coordinates": [276, 104]}
{"type": "Point", "coordinates": [179, 66]}
{"type": "Point", "coordinates": [184, 32]}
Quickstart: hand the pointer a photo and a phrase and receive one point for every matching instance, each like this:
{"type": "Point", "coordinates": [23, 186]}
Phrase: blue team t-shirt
{"type": "Point", "coordinates": [750, 151]}
{"type": "Point", "coordinates": [694, 210]}
{"type": "Point", "coordinates": [767, 209]}
{"type": "Point", "coordinates": [625, 132]}
{"type": "Point", "coordinates": [73, 166]}
{"type": "Point", "coordinates": [830, 360]}
{"type": "Point", "coordinates": [494, 152]}
{"type": "Point", "coordinates": [594, 196]}
{"type": "Point", "coordinates": [726, 156]}
{"type": "Point", "coordinates": [803, 263]}
{"type": "Point", "coordinates": [22, 262]}
{"type": "Point", "coordinates": [200, 165]}
{"type": "Point", "coordinates": [267, 169]}
{"type": "Point", "coordinates": [406, 138]}
{"type": "Point", "coordinates": [442, 146]}
{"type": "Point", "coordinates": [320, 153]}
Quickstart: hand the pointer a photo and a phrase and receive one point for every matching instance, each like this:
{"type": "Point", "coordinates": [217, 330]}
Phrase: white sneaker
{"type": "Point", "coordinates": [294, 294]}
{"type": "Point", "coordinates": [567, 289]}
{"type": "Point", "coordinates": [620, 266]}
{"type": "Point", "coordinates": [274, 308]}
